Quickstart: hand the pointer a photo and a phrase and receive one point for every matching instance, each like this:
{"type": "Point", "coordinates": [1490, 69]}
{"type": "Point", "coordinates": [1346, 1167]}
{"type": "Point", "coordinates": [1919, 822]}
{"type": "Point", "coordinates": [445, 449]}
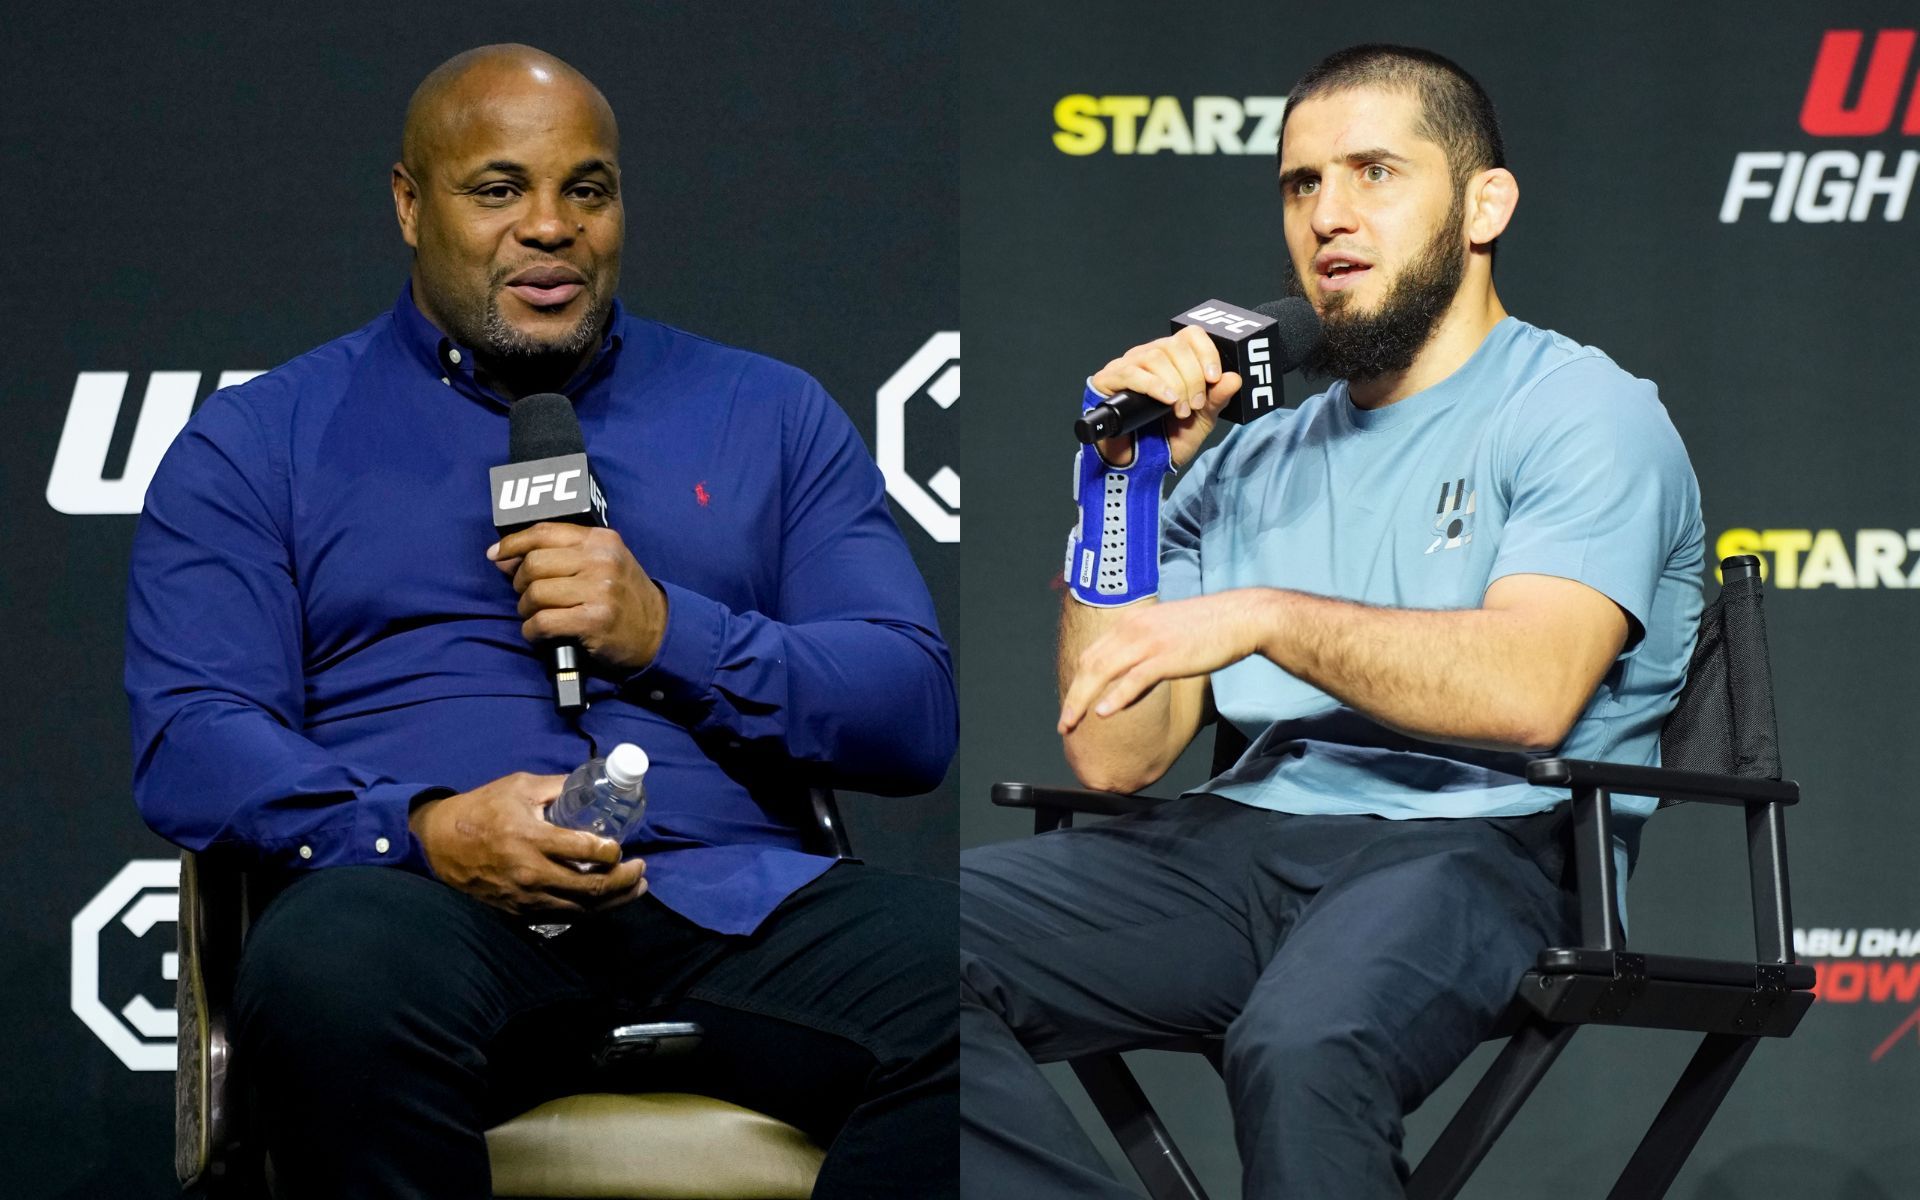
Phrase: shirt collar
{"type": "Point", "coordinates": [453, 362]}
{"type": "Point", "coordinates": [1435, 397]}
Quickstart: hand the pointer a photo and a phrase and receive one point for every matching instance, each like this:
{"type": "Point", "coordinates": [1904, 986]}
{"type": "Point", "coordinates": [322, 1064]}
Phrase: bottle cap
{"type": "Point", "coordinates": [626, 765]}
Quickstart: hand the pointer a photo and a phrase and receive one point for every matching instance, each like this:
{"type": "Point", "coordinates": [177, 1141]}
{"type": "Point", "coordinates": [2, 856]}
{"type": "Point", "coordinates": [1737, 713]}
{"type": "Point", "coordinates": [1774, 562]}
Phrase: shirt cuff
{"type": "Point", "coordinates": [380, 832]}
{"type": "Point", "coordinates": [373, 833]}
{"type": "Point", "coordinates": [415, 858]}
{"type": "Point", "coordinates": [682, 669]}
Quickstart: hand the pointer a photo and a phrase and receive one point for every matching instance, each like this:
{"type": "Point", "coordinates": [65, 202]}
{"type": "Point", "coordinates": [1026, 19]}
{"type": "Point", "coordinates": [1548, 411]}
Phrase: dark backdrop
{"type": "Point", "coordinates": [196, 190]}
{"type": "Point", "coordinates": [1784, 352]}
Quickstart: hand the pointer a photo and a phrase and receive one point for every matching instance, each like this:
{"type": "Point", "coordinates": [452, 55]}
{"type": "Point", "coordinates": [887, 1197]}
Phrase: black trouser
{"type": "Point", "coordinates": [1351, 962]}
{"type": "Point", "coordinates": [384, 1021]}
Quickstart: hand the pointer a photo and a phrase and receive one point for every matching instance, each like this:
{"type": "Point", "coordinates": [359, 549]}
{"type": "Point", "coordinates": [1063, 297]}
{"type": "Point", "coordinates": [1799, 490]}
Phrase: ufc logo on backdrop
{"type": "Point", "coordinates": [78, 484]}
{"type": "Point", "coordinates": [1826, 113]}
{"type": "Point", "coordinates": [1855, 91]}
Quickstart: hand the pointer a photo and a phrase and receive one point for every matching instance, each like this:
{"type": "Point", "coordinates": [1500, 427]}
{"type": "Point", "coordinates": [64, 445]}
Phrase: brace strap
{"type": "Point", "coordinates": [1113, 551]}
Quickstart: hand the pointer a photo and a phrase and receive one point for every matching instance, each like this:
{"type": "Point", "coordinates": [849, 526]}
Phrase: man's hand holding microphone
{"type": "Point", "coordinates": [1220, 362]}
{"type": "Point", "coordinates": [1181, 371]}
{"type": "Point", "coordinates": [582, 583]}
{"type": "Point", "coordinates": [580, 589]}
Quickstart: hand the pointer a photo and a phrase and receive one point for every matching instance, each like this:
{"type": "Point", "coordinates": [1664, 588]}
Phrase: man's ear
{"type": "Point", "coordinates": [1491, 198]}
{"type": "Point", "coordinates": [406, 204]}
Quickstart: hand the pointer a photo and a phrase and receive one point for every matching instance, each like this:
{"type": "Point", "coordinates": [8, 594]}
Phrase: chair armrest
{"type": "Point", "coordinates": [1662, 782]}
{"type": "Point", "coordinates": [1577, 960]}
{"type": "Point", "coordinates": [829, 830]}
{"type": "Point", "coordinates": [1764, 801]}
{"type": "Point", "coordinates": [1080, 800]}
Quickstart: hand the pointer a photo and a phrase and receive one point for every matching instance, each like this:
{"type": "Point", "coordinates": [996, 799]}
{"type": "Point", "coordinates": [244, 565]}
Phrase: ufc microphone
{"type": "Point", "coordinates": [1260, 345]}
{"type": "Point", "coordinates": [548, 479]}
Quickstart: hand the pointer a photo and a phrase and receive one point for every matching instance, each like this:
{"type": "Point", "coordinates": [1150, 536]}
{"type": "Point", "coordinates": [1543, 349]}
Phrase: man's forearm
{"type": "Point", "coordinates": [218, 770]}
{"type": "Point", "coordinates": [1134, 747]}
{"type": "Point", "coordinates": [1478, 677]}
{"type": "Point", "coordinates": [869, 701]}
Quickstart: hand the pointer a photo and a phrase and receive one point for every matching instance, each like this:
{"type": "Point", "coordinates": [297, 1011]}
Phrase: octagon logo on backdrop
{"type": "Point", "coordinates": [124, 953]}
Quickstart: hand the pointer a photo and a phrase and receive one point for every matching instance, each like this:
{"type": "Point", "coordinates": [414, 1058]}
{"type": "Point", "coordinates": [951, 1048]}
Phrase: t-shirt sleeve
{"type": "Point", "coordinates": [1600, 489]}
{"type": "Point", "coordinates": [1183, 517]}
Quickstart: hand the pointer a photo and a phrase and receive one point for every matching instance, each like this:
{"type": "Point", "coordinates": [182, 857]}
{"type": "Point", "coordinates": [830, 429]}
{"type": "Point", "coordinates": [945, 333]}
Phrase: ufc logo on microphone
{"type": "Point", "coordinates": [1209, 315]}
{"type": "Point", "coordinates": [561, 488]}
{"type": "Point", "coordinates": [1260, 374]}
{"type": "Point", "coordinates": [532, 489]}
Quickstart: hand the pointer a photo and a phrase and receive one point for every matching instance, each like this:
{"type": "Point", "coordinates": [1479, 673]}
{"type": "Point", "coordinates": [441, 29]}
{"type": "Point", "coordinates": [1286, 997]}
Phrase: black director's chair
{"type": "Point", "coordinates": [615, 1143]}
{"type": "Point", "coordinates": [1719, 746]}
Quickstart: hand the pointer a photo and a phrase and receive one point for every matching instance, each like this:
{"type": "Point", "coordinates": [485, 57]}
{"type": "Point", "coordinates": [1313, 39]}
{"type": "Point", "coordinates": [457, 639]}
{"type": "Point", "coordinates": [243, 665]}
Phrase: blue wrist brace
{"type": "Point", "coordinates": [1113, 553]}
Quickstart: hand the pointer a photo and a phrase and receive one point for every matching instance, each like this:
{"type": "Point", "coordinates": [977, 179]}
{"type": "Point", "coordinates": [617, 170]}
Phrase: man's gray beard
{"type": "Point", "coordinates": [1360, 347]}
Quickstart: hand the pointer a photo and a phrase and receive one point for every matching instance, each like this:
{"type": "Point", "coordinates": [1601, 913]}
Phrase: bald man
{"type": "Point", "coordinates": [335, 672]}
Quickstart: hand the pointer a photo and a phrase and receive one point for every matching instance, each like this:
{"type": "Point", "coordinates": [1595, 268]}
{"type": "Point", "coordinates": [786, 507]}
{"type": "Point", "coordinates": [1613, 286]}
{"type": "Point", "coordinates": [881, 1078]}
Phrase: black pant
{"type": "Point", "coordinates": [1351, 962]}
{"type": "Point", "coordinates": [384, 1021]}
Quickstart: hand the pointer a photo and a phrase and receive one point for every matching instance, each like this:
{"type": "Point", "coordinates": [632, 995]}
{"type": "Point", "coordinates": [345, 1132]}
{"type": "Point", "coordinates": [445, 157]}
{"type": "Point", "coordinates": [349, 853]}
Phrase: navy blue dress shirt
{"type": "Point", "coordinates": [315, 637]}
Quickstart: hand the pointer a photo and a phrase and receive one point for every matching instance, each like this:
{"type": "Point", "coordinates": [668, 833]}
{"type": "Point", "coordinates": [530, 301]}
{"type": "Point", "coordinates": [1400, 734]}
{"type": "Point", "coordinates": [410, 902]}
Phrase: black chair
{"type": "Point", "coordinates": [617, 1143]}
{"type": "Point", "coordinates": [1719, 746]}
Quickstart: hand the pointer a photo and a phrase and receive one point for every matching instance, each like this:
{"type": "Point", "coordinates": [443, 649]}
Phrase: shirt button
{"type": "Point", "coordinates": [656, 696]}
{"type": "Point", "coordinates": [306, 852]}
{"type": "Point", "coordinates": [445, 380]}
{"type": "Point", "coordinates": [453, 356]}
{"type": "Point", "coordinates": [733, 744]}
{"type": "Point", "coordinates": [380, 845]}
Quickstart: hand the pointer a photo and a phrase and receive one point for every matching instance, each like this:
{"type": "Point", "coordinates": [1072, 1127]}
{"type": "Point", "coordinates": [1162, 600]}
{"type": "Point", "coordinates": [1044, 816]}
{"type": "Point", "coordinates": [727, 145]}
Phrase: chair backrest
{"type": "Point", "coordinates": [1723, 722]}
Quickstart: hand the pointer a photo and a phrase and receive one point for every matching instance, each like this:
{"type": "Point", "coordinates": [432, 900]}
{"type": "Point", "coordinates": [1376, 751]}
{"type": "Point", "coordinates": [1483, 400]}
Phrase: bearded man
{"type": "Point", "coordinates": [335, 672]}
{"type": "Point", "coordinates": [1481, 544]}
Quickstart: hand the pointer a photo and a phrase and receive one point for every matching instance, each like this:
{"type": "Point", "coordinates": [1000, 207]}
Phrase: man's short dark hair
{"type": "Point", "coordinates": [1455, 111]}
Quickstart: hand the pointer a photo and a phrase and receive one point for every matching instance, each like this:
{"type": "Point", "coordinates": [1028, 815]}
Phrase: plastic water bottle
{"type": "Point", "coordinates": [604, 796]}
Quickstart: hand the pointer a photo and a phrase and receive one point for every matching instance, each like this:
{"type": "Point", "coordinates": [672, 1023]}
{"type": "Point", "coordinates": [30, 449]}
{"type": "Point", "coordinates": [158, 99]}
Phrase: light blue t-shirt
{"type": "Point", "coordinates": [1538, 456]}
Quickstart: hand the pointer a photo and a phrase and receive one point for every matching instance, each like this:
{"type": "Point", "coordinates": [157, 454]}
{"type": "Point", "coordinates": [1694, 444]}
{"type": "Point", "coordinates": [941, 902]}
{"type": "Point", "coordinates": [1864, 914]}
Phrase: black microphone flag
{"type": "Point", "coordinates": [1259, 344]}
{"type": "Point", "coordinates": [549, 479]}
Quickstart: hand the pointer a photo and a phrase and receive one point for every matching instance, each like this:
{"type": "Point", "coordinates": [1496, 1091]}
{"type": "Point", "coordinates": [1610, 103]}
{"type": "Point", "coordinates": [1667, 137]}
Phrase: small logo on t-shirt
{"type": "Point", "coordinates": [1453, 519]}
